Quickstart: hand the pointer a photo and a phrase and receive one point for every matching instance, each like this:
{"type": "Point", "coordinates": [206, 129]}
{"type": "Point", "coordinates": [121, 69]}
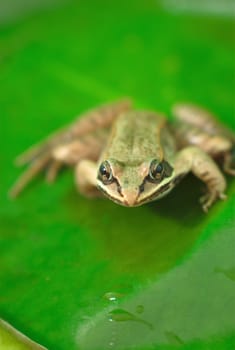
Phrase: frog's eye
{"type": "Point", "coordinates": [105, 173]}
{"type": "Point", "coordinates": [157, 171]}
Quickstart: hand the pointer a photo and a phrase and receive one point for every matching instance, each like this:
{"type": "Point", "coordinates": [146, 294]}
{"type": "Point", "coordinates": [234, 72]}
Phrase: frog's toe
{"type": "Point", "coordinates": [29, 174]}
{"type": "Point", "coordinates": [229, 166]}
{"type": "Point", "coordinates": [229, 170]}
{"type": "Point", "coordinates": [53, 170]}
{"type": "Point", "coordinates": [208, 199]}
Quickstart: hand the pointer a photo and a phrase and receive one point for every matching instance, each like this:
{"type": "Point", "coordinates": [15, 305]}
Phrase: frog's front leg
{"type": "Point", "coordinates": [85, 178]}
{"type": "Point", "coordinates": [202, 166]}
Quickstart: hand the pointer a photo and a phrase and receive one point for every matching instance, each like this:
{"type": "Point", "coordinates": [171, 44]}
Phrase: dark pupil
{"type": "Point", "coordinates": [159, 168]}
{"type": "Point", "coordinates": [156, 170]}
{"type": "Point", "coordinates": [104, 171]}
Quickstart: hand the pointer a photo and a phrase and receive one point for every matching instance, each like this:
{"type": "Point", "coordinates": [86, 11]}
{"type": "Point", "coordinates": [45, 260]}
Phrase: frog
{"type": "Point", "coordinates": [134, 157]}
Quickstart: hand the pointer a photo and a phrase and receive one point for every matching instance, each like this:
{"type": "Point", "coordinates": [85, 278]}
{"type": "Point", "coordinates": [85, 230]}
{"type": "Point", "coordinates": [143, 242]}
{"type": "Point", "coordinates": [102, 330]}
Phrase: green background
{"type": "Point", "coordinates": [63, 258]}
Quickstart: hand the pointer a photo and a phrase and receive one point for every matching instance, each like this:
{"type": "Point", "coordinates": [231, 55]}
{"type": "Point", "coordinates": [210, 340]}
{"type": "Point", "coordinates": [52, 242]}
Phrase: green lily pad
{"type": "Point", "coordinates": [11, 339]}
{"type": "Point", "coordinates": [89, 274]}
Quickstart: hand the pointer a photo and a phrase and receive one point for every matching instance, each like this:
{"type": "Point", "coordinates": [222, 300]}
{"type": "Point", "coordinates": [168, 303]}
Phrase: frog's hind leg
{"type": "Point", "coordinates": [198, 117]}
{"type": "Point", "coordinates": [81, 139]}
{"type": "Point", "coordinates": [97, 118]}
{"type": "Point", "coordinates": [67, 154]}
{"type": "Point", "coordinates": [198, 127]}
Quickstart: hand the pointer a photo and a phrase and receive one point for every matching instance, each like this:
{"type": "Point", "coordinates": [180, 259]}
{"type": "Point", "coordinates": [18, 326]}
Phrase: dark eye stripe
{"type": "Point", "coordinates": [119, 190]}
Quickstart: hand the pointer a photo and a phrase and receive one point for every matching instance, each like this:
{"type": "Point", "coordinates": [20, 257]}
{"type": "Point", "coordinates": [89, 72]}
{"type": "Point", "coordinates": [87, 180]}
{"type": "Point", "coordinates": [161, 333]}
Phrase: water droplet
{"type": "Point", "coordinates": [112, 296]}
{"type": "Point", "coordinates": [139, 309]}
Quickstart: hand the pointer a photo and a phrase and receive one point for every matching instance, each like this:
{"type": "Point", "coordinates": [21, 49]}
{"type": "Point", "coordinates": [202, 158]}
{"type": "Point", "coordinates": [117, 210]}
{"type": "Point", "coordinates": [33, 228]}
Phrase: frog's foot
{"type": "Point", "coordinates": [46, 162]}
{"type": "Point", "coordinates": [34, 168]}
{"type": "Point", "coordinates": [54, 159]}
{"type": "Point", "coordinates": [209, 198]}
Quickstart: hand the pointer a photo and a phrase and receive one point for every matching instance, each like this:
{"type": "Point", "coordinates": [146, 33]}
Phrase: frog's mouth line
{"type": "Point", "coordinates": [137, 203]}
{"type": "Point", "coordinates": [161, 190]}
{"type": "Point", "coordinates": [117, 201]}
{"type": "Point", "coordinates": [164, 189]}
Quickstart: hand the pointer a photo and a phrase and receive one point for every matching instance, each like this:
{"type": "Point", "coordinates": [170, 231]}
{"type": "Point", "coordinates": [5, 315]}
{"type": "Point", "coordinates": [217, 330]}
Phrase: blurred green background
{"type": "Point", "coordinates": [88, 274]}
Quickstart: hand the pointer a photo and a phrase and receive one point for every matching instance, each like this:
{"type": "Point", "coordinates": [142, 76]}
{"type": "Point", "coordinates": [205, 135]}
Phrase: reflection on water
{"type": "Point", "coordinates": [229, 273]}
{"type": "Point", "coordinates": [173, 338]}
{"type": "Point", "coordinates": [121, 315]}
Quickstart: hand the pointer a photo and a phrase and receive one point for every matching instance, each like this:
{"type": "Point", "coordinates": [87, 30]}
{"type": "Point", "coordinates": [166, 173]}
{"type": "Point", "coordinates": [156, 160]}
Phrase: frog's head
{"type": "Point", "coordinates": [135, 184]}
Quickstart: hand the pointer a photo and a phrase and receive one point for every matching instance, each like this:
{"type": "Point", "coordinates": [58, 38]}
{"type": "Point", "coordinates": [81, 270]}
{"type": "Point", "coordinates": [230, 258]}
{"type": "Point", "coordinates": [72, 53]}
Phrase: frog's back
{"type": "Point", "coordinates": [136, 136]}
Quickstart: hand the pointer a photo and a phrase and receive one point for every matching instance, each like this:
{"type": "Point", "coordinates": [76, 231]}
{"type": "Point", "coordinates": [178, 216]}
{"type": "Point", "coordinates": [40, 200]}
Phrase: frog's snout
{"type": "Point", "coordinates": [130, 197]}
